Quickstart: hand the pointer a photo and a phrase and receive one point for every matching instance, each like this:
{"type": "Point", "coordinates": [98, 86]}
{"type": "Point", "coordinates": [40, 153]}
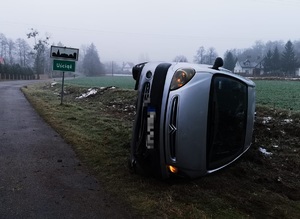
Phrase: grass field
{"type": "Point", "coordinates": [278, 94]}
{"type": "Point", "coordinates": [104, 81]}
{"type": "Point", "coordinates": [271, 93]}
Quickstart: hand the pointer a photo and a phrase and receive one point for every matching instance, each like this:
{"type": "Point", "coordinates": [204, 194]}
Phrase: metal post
{"type": "Point", "coordinates": [62, 89]}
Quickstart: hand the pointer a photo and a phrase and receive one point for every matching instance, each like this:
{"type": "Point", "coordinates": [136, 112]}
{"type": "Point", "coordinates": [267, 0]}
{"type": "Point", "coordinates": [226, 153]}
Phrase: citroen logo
{"type": "Point", "coordinates": [172, 129]}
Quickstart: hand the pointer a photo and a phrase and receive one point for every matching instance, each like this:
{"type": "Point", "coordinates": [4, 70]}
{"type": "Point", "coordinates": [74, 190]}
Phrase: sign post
{"type": "Point", "coordinates": [64, 59]}
{"type": "Point", "coordinates": [62, 89]}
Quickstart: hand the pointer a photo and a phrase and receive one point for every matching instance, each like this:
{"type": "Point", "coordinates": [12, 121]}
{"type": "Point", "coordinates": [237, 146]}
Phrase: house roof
{"type": "Point", "coordinates": [249, 64]}
{"type": "Point", "coordinates": [127, 65]}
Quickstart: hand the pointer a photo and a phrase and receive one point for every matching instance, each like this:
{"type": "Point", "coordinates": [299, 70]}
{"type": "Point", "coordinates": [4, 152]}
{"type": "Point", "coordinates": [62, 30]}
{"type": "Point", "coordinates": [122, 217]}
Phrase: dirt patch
{"type": "Point", "coordinates": [266, 178]}
{"type": "Point", "coordinates": [278, 133]}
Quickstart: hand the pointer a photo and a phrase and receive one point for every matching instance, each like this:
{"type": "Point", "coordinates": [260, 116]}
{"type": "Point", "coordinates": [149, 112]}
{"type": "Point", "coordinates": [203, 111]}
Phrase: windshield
{"type": "Point", "coordinates": [227, 120]}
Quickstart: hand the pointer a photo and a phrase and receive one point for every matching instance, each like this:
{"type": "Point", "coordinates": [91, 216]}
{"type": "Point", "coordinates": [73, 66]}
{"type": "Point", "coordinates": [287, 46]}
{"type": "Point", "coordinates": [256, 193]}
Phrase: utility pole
{"type": "Point", "coordinates": [112, 68]}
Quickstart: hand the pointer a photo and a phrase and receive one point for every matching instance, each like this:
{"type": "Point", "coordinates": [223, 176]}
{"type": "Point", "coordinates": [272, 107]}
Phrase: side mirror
{"type": "Point", "coordinates": [218, 63]}
{"type": "Point", "coordinates": [136, 73]}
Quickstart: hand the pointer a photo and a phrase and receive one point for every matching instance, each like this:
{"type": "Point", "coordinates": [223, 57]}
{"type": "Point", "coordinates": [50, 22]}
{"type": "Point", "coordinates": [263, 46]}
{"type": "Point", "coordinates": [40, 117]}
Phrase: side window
{"type": "Point", "coordinates": [227, 120]}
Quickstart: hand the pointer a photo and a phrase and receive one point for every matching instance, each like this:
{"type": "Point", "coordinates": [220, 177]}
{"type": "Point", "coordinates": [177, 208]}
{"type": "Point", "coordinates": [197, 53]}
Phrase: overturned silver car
{"type": "Point", "coordinates": [191, 119]}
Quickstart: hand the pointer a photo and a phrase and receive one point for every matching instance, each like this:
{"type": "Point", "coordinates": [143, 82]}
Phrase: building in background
{"type": "Point", "coordinates": [248, 67]}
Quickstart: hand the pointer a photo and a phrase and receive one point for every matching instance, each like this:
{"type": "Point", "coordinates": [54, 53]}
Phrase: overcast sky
{"type": "Point", "coordinates": [127, 30]}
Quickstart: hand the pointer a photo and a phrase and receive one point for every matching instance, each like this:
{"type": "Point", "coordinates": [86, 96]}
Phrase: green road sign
{"type": "Point", "coordinates": [62, 65]}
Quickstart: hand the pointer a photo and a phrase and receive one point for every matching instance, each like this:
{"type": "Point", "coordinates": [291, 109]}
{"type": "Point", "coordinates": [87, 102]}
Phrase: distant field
{"type": "Point", "coordinates": [278, 94]}
{"type": "Point", "coordinates": [272, 93]}
{"type": "Point", "coordinates": [125, 82]}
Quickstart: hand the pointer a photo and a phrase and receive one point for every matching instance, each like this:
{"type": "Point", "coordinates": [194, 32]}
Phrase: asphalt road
{"type": "Point", "coordinates": [40, 176]}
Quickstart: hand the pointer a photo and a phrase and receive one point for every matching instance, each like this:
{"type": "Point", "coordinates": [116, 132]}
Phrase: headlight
{"type": "Point", "coordinates": [181, 77]}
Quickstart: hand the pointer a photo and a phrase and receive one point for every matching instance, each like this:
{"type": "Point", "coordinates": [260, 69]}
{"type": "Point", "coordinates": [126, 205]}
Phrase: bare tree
{"type": "Point", "coordinates": [3, 45]}
{"type": "Point", "coordinates": [144, 57]}
{"type": "Point", "coordinates": [11, 49]}
{"type": "Point", "coordinates": [79, 66]}
{"type": "Point", "coordinates": [23, 51]}
{"type": "Point", "coordinates": [40, 46]}
{"type": "Point", "coordinates": [180, 58]}
{"type": "Point", "coordinates": [271, 45]}
{"type": "Point", "coordinates": [211, 55]}
{"type": "Point", "coordinates": [199, 57]}
{"type": "Point", "coordinates": [60, 44]}
{"type": "Point", "coordinates": [258, 49]}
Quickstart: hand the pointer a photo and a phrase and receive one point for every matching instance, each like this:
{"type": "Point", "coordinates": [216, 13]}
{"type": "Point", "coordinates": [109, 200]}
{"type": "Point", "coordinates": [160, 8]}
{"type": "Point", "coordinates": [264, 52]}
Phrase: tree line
{"type": "Point", "coordinates": [22, 60]}
{"type": "Point", "coordinates": [18, 60]}
{"type": "Point", "coordinates": [275, 57]}
{"type": "Point", "coordinates": [15, 59]}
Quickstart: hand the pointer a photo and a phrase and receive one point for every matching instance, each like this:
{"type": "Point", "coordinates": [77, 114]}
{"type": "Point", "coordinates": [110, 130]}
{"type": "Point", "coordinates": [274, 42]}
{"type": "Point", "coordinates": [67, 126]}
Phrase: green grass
{"type": "Point", "coordinates": [126, 82]}
{"type": "Point", "coordinates": [278, 94]}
